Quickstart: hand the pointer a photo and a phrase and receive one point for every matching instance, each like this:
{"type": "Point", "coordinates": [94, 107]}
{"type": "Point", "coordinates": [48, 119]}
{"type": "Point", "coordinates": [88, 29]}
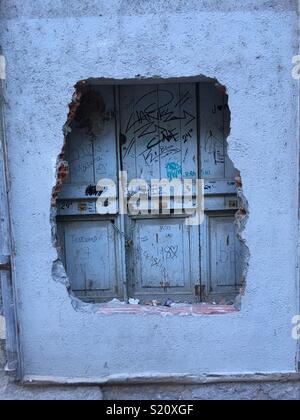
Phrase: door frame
{"type": "Point", "coordinates": [9, 296]}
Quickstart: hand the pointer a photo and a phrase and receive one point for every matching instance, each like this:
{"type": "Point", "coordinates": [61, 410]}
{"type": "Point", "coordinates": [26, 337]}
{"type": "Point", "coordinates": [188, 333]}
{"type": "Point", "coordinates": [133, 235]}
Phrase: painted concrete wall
{"type": "Point", "coordinates": [248, 46]}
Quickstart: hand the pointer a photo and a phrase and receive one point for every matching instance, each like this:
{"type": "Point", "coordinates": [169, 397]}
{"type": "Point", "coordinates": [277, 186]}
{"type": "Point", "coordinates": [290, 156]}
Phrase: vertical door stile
{"type": "Point", "coordinates": [221, 257]}
{"type": "Point", "coordinates": [9, 291]}
{"type": "Point", "coordinates": [202, 281]}
{"type": "Point", "coordinates": [121, 218]}
{"type": "Point", "coordinates": [204, 234]}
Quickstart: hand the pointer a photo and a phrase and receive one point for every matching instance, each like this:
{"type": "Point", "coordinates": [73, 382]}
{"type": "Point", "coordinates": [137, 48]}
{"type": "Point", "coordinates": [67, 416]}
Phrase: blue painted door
{"type": "Point", "coordinates": [90, 247]}
{"type": "Point", "coordinates": [172, 131]}
{"type": "Point", "coordinates": [222, 254]}
{"type": "Point", "coordinates": [159, 141]}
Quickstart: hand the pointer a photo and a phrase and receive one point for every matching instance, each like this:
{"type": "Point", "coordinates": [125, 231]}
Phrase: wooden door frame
{"type": "Point", "coordinates": [9, 296]}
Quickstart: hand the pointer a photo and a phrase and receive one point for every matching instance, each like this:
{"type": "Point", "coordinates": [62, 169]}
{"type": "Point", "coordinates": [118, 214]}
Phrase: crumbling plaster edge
{"type": "Point", "coordinates": [77, 91]}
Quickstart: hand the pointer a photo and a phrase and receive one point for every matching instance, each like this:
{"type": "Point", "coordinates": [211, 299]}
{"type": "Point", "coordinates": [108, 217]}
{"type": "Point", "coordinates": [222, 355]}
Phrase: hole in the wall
{"type": "Point", "coordinates": [112, 126]}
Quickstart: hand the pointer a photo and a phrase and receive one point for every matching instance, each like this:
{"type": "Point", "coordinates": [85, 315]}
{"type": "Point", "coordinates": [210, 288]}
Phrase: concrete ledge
{"type": "Point", "coordinates": [10, 391]}
{"type": "Point", "coordinates": [147, 379]}
{"type": "Point", "coordinates": [181, 388]}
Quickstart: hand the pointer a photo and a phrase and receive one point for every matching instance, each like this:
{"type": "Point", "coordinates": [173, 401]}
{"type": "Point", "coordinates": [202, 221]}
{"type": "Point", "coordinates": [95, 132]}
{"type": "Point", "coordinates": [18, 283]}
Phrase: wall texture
{"type": "Point", "coordinates": [248, 46]}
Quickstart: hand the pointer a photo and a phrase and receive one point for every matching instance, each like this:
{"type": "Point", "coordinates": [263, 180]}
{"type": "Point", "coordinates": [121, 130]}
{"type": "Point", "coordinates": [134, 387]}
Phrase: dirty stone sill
{"type": "Point", "coordinates": [164, 311]}
{"type": "Point", "coordinates": [171, 379]}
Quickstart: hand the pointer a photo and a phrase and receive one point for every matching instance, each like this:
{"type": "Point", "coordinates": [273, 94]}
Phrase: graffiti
{"type": "Point", "coordinates": [85, 158]}
{"type": "Point", "coordinates": [190, 174]}
{"type": "Point", "coordinates": [91, 190]}
{"type": "Point", "coordinates": [187, 136]}
{"type": "Point", "coordinates": [185, 155]}
{"type": "Point", "coordinates": [209, 187]}
{"type": "Point", "coordinates": [170, 252]}
{"type": "Point", "coordinates": [225, 256]}
{"type": "Point", "coordinates": [70, 207]}
{"type": "Point", "coordinates": [213, 144]}
{"type": "Point", "coordinates": [66, 205]}
{"type": "Point", "coordinates": [153, 120]}
{"type": "Point", "coordinates": [164, 228]}
{"type": "Point", "coordinates": [81, 152]}
{"type": "Point", "coordinates": [174, 170]}
{"type": "Point", "coordinates": [155, 262]}
{"type": "Point", "coordinates": [166, 151]}
{"type": "Point", "coordinates": [152, 155]}
{"type": "Point", "coordinates": [183, 99]}
{"type": "Point", "coordinates": [86, 239]}
{"type": "Point", "coordinates": [220, 108]}
{"type": "Point", "coordinates": [205, 172]}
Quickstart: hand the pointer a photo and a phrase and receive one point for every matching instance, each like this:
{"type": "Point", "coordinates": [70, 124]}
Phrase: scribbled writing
{"type": "Point", "coordinates": [153, 155]}
{"type": "Point", "coordinates": [85, 239]}
{"type": "Point", "coordinates": [214, 145]}
{"type": "Point", "coordinates": [190, 174]}
{"type": "Point", "coordinates": [91, 190]}
{"type": "Point", "coordinates": [159, 118]}
{"type": "Point", "coordinates": [170, 252]}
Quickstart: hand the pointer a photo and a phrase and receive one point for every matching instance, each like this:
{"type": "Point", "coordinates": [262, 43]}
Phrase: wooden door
{"type": "Point", "coordinates": [90, 247]}
{"type": "Point", "coordinates": [159, 141]}
{"type": "Point", "coordinates": [221, 250]}
{"type": "Point", "coordinates": [173, 131]}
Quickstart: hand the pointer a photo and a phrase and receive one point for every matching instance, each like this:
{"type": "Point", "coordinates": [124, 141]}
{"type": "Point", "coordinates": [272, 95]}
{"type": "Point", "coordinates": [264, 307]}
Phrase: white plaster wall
{"type": "Point", "coordinates": [248, 46]}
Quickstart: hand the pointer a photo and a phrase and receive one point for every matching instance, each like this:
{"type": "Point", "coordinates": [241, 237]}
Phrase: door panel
{"type": "Point", "coordinates": [166, 131]}
{"type": "Point", "coordinates": [220, 248]}
{"type": "Point", "coordinates": [159, 136]}
{"type": "Point", "coordinates": [80, 158]}
{"type": "Point", "coordinates": [92, 155]}
{"type": "Point", "coordinates": [90, 247]}
{"type": "Point", "coordinates": [162, 258]}
{"type": "Point", "coordinates": [90, 256]}
{"type": "Point", "coordinates": [225, 256]}
{"type": "Point", "coordinates": [105, 143]}
{"type": "Point", "coordinates": [212, 132]}
{"type": "Point", "coordinates": [215, 128]}
{"type": "Point", "coordinates": [159, 131]}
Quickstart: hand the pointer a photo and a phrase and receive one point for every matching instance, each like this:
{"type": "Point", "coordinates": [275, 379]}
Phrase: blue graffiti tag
{"type": "Point", "coordinates": [174, 170]}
